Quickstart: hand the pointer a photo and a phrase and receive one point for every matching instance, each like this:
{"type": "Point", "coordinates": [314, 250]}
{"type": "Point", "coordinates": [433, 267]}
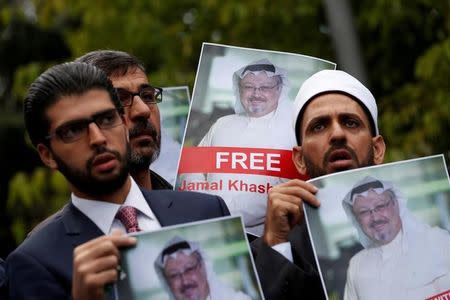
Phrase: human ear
{"type": "Point", "coordinates": [379, 148]}
{"type": "Point", "coordinates": [297, 159]}
{"type": "Point", "coordinates": [46, 156]}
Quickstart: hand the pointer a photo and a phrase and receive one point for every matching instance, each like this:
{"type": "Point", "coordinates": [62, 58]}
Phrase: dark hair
{"type": "Point", "coordinates": [112, 62]}
{"type": "Point", "coordinates": [62, 80]}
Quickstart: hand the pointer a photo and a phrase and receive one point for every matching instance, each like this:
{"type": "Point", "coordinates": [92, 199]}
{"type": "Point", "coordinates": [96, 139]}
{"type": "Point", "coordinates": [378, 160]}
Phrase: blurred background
{"type": "Point", "coordinates": [399, 48]}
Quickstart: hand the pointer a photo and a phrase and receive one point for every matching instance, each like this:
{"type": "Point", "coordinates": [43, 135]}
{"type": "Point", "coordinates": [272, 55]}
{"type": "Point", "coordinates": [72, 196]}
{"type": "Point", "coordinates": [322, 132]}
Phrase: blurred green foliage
{"type": "Point", "coordinates": [407, 50]}
{"type": "Point", "coordinates": [33, 196]}
{"type": "Point", "coordinates": [405, 44]}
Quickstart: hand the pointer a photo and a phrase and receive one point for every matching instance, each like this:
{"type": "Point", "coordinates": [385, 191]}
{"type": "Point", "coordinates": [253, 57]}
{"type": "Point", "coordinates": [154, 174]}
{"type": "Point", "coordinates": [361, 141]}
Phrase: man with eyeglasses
{"type": "Point", "coordinates": [76, 122]}
{"type": "Point", "coordinates": [262, 109]}
{"type": "Point", "coordinates": [140, 101]}
{"type": "Point", "coordinates": [403, 258]}
{"type": "Point", "coordinates": [186, 274]}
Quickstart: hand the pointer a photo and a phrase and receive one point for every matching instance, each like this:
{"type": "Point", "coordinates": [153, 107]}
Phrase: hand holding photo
{"type": "Point", "coordinates": [201, 260]}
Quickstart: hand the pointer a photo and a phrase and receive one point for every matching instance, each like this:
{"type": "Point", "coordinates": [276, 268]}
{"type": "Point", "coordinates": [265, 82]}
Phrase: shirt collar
{"type": "Point", "coordinates": [103, 213]}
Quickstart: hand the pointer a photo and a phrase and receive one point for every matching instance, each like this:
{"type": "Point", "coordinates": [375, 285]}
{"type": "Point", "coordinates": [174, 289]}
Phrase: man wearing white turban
{"type": "Point", "coordinates": [335, 121]}
{"type": "Point", "coordinates": [403, 257]}
{"type": "Point", "coordinates": [186, 273]}
{"type": "Point", "coordinates": [261, 120]}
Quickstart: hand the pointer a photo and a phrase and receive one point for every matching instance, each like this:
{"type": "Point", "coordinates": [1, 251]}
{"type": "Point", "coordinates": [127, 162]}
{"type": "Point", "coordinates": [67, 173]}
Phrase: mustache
{"type": "Point", "coordinates": [188, 286]}
{"type": "Point", "coordinates": [255, 98]}
{"type": "Point", "coordinates": [379, 222]}
{"type": "Point", "coordinates": [339, 146]}
{"type": "Point", "coordinates": [143, 127]}
{"type": "Point", "coordinates": [100, 150]}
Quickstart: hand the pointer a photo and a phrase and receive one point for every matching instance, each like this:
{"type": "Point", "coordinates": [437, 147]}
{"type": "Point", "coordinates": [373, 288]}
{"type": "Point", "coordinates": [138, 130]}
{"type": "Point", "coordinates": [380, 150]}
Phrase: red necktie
{"type": "Point", "coordinates": [128, 216]}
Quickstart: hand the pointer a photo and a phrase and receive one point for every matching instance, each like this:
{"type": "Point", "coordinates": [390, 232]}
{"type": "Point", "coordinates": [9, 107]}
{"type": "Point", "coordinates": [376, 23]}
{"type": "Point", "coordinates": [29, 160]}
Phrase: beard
{"type": "Point", "coordinates": [256, 108]}
{"type": "Point", "coordinates": [86, 182]}
{"type": "Point", "coordinates": [316, 171]}
{"type": "Point", "coordinates": [262, 107]}
{"type": "Point", "coordinates": [380, 237]}
{"type": "Point", "coordinates": [139, 161]}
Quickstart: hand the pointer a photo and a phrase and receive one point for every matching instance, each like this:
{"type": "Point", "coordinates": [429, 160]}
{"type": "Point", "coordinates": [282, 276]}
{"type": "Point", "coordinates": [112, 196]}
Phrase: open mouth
{"type": "Point", "coordinates": [339, 155]}
{"type": "Point", "coordinates": [340, 160]}
{"type": "Point", "coordinates": [104, 162]}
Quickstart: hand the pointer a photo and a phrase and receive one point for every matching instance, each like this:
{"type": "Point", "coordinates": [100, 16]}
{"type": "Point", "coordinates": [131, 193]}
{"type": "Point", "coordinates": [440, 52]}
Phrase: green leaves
{"type": "Point", "coordinates": [32, 197]}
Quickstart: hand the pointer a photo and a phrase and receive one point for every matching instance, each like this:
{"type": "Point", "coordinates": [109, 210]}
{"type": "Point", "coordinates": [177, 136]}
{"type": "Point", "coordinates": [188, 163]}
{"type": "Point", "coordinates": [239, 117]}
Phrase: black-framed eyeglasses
{"type": "Point", "coordinates": [74, 130]}
{"type": "Point", "coordinates": [149, 94]}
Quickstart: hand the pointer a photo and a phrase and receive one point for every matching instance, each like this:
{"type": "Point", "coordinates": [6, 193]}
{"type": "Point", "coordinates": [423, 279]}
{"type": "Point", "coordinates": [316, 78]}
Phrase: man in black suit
{"type": "Point", "coordinates": [75, 120]}
{"type": "Point", "coordinates": [335, 122]}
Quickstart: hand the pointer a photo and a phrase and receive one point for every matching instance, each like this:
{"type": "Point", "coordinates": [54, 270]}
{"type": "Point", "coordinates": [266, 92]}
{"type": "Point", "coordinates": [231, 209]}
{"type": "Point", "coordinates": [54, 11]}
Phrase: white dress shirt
{"type": "Point", "coordinates": [103, 213]}
{"type": "Point", "coordinates": [285, 250]}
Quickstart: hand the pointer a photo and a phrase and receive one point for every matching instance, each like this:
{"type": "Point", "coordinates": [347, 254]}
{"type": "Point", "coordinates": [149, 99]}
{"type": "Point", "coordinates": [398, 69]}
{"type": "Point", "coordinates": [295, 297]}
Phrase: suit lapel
{"type": "Point", "coordinates": [160, 206]}
{"type": "Point", "coordinates": [78, 225]}
{"type": "Point", "coordinates": [81, 229]}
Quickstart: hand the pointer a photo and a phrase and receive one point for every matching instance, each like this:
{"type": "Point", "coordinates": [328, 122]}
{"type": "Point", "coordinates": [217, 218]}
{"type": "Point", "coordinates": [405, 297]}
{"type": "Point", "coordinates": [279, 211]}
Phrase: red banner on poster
{"type": "Point", "coordinates": [236, 160]}
{"type": "Point", "coordinates": [441, 296]}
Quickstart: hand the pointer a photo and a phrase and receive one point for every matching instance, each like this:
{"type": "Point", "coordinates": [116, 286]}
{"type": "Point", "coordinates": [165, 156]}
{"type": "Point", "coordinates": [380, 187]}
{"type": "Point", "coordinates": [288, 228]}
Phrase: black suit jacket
{"type": "Point", "coordinates": [3, 291]}
{"type": "Point", "coordinates": [41, 267]}
{"type": "Point", "coordinates": [282, 279]}
{"type": "Point", "coordinates": [159, 183]}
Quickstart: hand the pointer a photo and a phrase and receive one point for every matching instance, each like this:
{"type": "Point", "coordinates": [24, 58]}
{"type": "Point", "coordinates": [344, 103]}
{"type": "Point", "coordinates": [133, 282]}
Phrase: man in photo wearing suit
{"type": "Point", "coordinates": [75, 120]}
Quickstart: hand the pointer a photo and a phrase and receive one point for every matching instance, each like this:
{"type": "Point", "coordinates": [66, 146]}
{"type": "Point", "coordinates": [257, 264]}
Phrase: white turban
{"type": "Point", "coordinates": [334, 81]}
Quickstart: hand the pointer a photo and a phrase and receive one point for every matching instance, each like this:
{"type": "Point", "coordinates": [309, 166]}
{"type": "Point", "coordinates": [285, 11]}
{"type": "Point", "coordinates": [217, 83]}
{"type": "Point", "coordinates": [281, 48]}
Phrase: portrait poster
{"type": "Point", "coordinates": [383, 232]}
{"type": "Point", "coordinates": [173, 111]}
{"type": "Point", "coordinates": [184, 261]}
{"type": "Point", "coordinates": [239, 134]}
